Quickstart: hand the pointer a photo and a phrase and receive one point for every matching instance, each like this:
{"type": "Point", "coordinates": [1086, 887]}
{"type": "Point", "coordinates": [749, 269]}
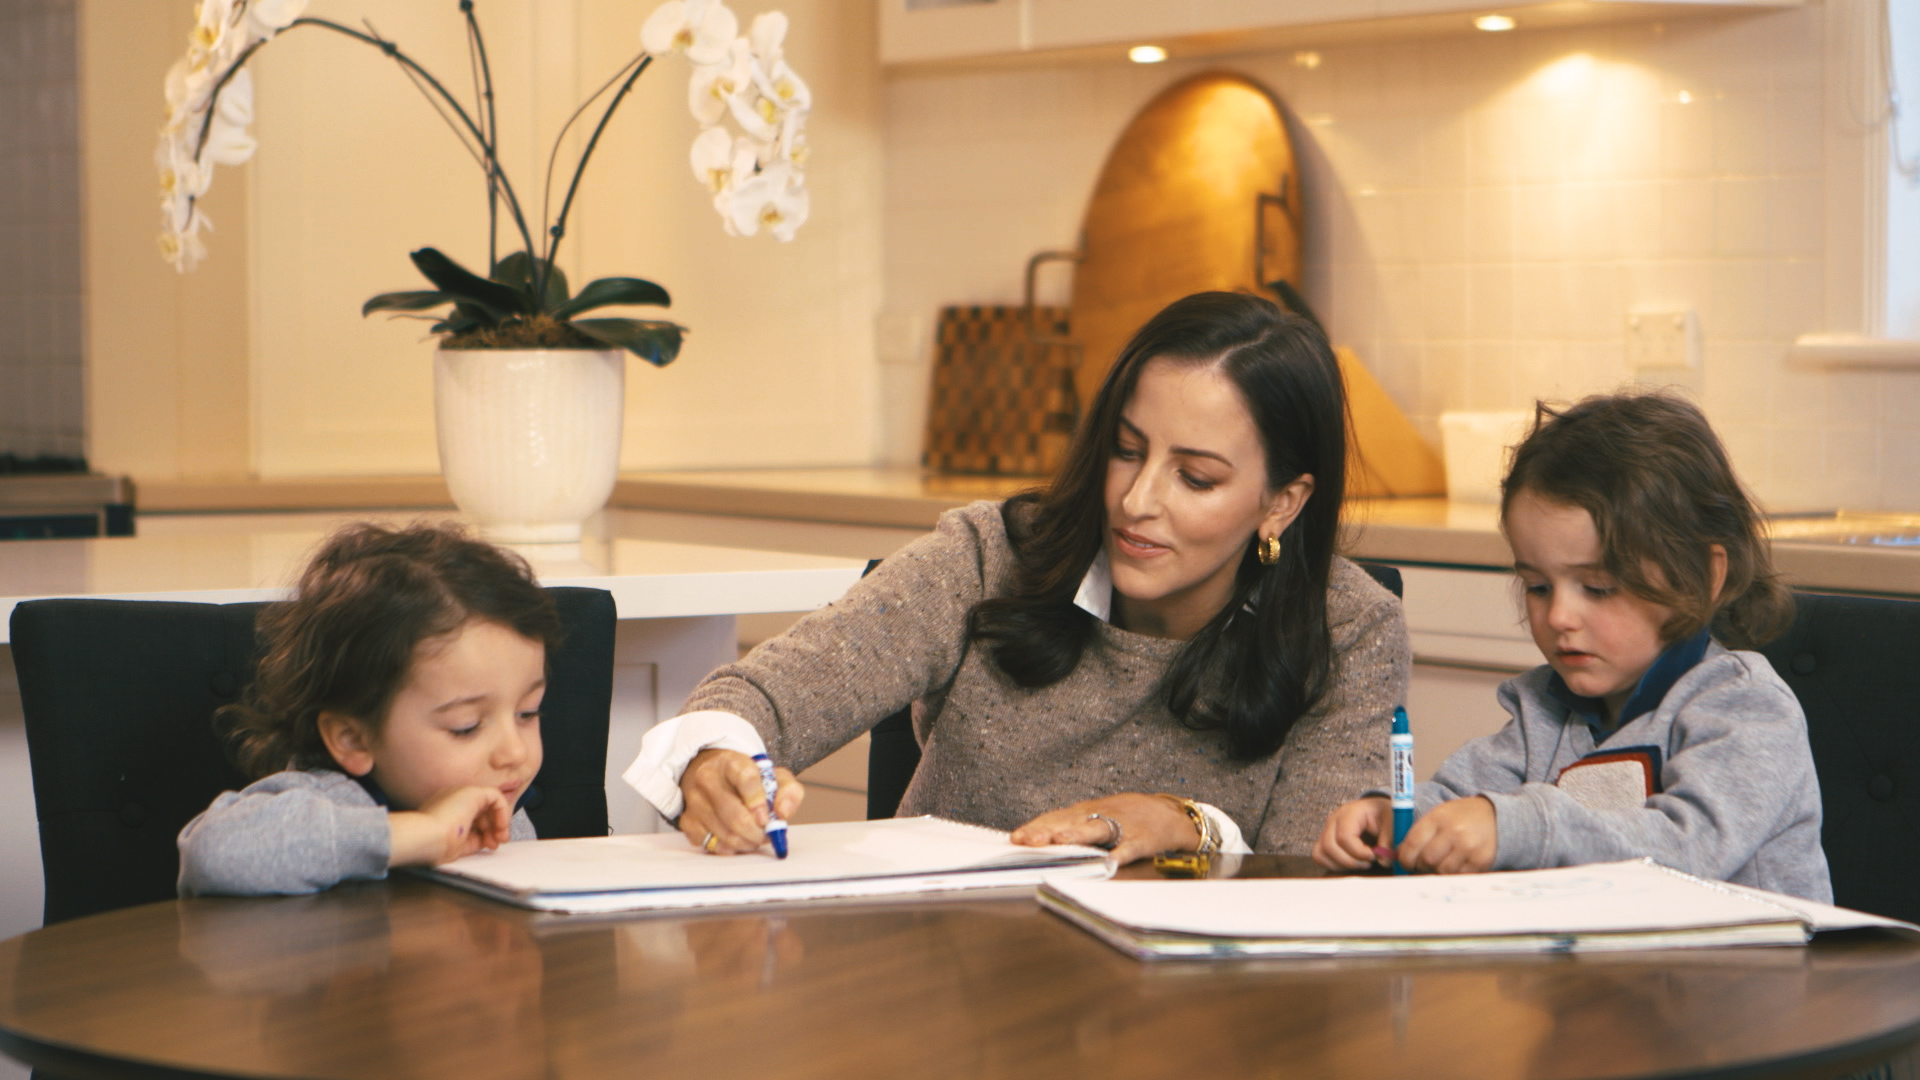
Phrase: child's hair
{"type": "Point", "coordinates": [1658, 485]}
{"type": "Point", "coordinates": [345, 642]}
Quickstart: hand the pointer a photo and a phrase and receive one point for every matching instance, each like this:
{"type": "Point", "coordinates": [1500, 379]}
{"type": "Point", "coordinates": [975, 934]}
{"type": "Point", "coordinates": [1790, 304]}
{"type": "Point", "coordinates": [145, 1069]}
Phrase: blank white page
{"type": "Point", "coordinates": [1601, 898]}
{"type": "Point", "coordinates": [841, 850]}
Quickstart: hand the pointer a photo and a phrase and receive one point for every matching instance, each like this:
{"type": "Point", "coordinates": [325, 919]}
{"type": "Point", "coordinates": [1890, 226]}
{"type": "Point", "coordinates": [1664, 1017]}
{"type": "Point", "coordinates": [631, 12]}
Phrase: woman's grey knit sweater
{"type": "Point", "coordinates": [997, 754]}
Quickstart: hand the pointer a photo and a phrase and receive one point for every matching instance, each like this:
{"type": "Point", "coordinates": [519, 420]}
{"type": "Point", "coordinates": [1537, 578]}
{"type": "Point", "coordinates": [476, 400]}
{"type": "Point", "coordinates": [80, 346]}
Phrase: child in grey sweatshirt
{"type": "Point", "coordinates": [1641, 735]}
{"type": "Point", "coordinates": [395, 718]}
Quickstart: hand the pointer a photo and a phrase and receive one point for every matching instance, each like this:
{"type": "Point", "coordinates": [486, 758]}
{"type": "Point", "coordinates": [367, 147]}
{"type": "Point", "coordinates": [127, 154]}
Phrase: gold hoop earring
{"type": "Point", "coordinates": [1269, 550]}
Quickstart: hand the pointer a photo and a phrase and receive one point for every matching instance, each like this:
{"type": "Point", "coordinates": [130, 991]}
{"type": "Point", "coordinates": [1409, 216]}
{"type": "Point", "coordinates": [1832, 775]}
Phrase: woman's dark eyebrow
{"type": "Point", "coordinates": [1180, 451]}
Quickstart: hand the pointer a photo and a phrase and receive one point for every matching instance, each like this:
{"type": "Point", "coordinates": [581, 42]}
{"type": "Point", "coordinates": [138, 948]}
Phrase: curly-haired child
{"type": "Point", "coordinates": [394, 720]}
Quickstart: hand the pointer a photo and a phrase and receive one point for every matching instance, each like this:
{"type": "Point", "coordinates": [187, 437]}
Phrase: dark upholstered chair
{"type": "Point", "coordinates": [119, 696]}
{"type": "Point", "coordinates": [1852, 662]}
{"type": "Point", "coordinates": [893, 753]}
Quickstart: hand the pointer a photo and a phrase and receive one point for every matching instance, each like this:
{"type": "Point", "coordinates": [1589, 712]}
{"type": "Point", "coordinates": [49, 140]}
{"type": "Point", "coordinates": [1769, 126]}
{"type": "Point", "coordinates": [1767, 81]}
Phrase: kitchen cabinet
{"type": "Point", "coordinates": [989, 32]}
{"type": "Point", "coordinates": [1468, 637]}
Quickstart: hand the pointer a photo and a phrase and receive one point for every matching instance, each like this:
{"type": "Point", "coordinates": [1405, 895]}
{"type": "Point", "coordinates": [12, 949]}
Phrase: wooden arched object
{"type": "Point", "coordinates": [1173, 211]}
{"type": "Point", "coordinates": [1202, 192]}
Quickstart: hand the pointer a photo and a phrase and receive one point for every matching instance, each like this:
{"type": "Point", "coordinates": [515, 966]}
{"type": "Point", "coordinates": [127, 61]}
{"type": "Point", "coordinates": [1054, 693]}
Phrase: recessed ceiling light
{"type": "Point", "coordinates": [1494, 23]}
{"type": "Point", "coordinates": [1146, 54]}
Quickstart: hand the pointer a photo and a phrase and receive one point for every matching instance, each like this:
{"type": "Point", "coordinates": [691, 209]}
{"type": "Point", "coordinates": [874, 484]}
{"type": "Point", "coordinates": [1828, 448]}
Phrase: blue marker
{"type": "Point", "coordinates": [1400, 754]}
{"type": "Point", "coordinates": [776, 829]}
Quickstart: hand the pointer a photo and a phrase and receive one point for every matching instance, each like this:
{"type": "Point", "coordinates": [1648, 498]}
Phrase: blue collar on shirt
{"type": "Point", "coordinates": [372, 789]}
{"type": "Point", "coordinates": [1674, 661]}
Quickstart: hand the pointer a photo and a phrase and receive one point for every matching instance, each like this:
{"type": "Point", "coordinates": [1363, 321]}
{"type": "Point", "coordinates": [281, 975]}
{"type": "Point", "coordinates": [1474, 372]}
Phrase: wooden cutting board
{"type": "Point", "coordinates": [1201, 192]}
{"type": "Point", "coordinates": [1174, 212]}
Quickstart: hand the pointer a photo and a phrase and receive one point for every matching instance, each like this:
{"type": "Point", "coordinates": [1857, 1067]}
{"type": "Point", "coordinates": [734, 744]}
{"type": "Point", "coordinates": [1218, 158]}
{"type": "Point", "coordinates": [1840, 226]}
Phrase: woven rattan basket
{"type": "Point", "coordinates": [1003, 400]}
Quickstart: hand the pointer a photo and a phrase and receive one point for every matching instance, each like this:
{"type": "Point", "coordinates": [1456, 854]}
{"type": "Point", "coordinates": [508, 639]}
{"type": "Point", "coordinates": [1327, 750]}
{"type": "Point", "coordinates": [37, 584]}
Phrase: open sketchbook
{"type": "Point", "coordinates": [850, 858]}
{"type": "Point", "coordinates": [1608, 906]}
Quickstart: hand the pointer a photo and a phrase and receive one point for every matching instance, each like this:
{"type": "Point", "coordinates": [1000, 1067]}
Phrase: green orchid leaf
{"type": "Point", "coordinates": [513, 270]}
{"type": "Point", "coordinates": [496, 300]}
{"type": "Point", "coordinates": [517, 271]}
{"type": "Point", "coordinates": [613, 290]}
{"type": "Point", "coordinates": [406, 301]}
{"type": "Point", "coordinates": [655, 342]}
{"type": "Point", "coordinates": [465, 317]}
{"type": "Point", "coordinates": [556, 288]}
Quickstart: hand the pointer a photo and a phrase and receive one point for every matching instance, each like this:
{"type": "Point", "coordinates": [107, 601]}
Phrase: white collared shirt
{"type": "Point", "coordinates": [669, 746]}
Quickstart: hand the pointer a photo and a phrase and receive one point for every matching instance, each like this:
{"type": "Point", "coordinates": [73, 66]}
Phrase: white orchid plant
{"type": "Point", "coordinates": [756, 176]}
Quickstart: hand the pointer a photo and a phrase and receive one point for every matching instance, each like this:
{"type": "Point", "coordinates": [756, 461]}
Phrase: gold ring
{"type": "Point", "coordinates": [709, 843]}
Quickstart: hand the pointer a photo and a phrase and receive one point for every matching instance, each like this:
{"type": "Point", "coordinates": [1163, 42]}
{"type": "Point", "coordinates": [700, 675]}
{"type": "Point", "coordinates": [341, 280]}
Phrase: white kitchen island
{"type": "Point", "coordinates": [677, 605]}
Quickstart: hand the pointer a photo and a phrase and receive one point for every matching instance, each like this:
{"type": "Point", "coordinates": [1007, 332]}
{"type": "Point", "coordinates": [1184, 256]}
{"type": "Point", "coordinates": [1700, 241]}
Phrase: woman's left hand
{"type": "Point", "coordinates": [1145, 824]}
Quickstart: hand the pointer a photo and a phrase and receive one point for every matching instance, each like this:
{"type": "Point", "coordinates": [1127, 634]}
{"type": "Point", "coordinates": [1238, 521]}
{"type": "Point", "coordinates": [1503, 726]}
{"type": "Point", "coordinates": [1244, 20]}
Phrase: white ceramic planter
{"type": "Point", "coordinates": [529, 439]}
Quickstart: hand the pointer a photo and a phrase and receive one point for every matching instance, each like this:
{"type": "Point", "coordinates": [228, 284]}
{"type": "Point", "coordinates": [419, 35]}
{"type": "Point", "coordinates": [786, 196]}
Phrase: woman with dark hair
{"type": "Point", "coordinates": [1160, 651]}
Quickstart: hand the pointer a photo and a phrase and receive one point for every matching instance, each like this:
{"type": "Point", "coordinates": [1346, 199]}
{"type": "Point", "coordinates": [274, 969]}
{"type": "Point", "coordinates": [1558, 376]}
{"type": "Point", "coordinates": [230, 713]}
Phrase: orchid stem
{"type": "Point", "coordinates": [486, 143]}
{"type": "Point", "coordinates": [493, 134]}
{"type": "Point", "coordinates": [559, 230]}
{"type": "Point", "coordinates": [553, 156]}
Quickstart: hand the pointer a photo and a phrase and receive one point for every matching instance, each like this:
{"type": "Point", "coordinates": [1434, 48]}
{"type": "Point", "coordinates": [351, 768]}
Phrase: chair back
{"type": "Point", "coordinates": [893, 751]}
{"type": "Point", "coordinates": [1850, 660]}
{"type": "Point", "coordinates": [119, 698]}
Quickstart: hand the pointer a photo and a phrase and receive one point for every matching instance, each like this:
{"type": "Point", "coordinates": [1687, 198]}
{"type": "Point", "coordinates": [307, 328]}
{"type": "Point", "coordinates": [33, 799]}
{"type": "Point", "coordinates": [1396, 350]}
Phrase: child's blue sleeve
{"type": "Point", "coordinates": [1486, 765]}
{"type": "Point", "coordinates": [1739, 800]}
{"type": "Point", "coordinates": [292, 832]}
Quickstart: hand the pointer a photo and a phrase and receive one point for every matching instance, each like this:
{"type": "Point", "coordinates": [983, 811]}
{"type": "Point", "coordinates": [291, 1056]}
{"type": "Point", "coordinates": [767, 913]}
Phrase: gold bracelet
{"type": "Point", "coordinates": [1202, 824]}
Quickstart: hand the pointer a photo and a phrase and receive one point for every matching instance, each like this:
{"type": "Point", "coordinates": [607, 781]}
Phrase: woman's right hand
{"type": "Point", "coordinates": [726, 802]}
{"type": "Point", "coordinates": [1356, 836]}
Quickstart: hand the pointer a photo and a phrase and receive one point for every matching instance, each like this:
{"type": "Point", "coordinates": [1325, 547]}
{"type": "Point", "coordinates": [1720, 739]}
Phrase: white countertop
{"type": "Point", "coordinates": [235, 558]}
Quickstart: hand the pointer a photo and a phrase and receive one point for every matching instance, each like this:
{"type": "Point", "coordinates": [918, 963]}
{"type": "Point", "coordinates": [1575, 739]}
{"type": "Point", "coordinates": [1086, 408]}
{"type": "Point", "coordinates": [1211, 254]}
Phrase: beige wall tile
{"type": "Point", "coordinates": [1490, 208]}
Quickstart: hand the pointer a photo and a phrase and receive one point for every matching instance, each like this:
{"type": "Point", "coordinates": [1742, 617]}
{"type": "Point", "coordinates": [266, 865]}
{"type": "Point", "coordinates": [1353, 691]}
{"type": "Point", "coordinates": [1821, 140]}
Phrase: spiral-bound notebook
{"type": "Point", "coordinates": [658, 871]}
{"type": "Point", "coordinates": [1602, 907]}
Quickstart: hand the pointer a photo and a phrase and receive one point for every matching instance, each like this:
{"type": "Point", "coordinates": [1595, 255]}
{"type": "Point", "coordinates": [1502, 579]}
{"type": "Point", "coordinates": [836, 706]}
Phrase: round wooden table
{"type": "Point", "coordinates": [408, 979]}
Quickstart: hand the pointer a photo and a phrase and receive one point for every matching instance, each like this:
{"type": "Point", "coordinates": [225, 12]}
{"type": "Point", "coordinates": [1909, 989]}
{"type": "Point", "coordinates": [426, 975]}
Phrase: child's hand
{"type": "Point", "coordinates": [1352, 838]}
{"type": "Point", "coordinates": [1457, 837]}
{"type": "Point", "coordinates": [453, 823]}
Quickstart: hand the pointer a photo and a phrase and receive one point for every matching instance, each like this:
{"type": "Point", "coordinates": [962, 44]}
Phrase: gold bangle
{"type": "Point", "coordinates": [1202, 824]}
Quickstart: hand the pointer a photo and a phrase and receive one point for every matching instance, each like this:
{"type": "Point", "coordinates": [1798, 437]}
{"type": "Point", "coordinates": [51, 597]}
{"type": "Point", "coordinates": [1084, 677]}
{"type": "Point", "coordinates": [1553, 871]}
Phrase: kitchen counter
{"type": "Point", "coordinates": [1826, 552]}
{"type": "Point", "coordinates": [649, 579]}
{"type": "Point", "coordinates": [1845, 552]}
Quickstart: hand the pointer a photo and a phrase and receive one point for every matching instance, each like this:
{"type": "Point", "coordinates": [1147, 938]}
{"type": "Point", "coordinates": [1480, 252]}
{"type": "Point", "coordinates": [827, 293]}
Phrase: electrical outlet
{"type": "Point", "coordinates": [1663, 342]}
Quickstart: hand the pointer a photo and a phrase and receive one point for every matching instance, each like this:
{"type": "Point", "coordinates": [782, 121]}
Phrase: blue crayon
{"type": "Point", "coordinates": [1400, 754]}
{"type": "Point", "coordinates": [776, 829]}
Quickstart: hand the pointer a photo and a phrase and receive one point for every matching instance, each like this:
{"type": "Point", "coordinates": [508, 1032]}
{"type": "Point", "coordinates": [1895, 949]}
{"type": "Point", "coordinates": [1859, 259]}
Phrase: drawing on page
{"type": "Point", "coordinates": [1523, 891]}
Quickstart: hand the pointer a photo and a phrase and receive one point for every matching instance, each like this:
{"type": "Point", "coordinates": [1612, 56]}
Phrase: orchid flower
{"type": "Point", "coordinates": [265, 18]}
{"type": "Point", "coordinates": [184, 249]}
{"type": "Point", "coordinates": [757, 113]}
{"type": "Point", "coordinates": [212, 23]}
{"type": "Point", "coordinates": [714, 85]}
{"type": "Point", "coordinates": [227, 140]}
{"type": "Point", "coordinates": [180, 175]}
{"type": "Point", "coordinates": [703, 29]}
{"type": "Point", "coordinates": [772, 198]}
{"type": "Point", "coordinates": [768, 32]}
{"type": "Point", "coordinates": [187, 87]}
{"type": "Point", "coordinates": [787, 89]}
{"type": "Point", "coordinates": [792, 147]}
{"type": "Point", "coordinates": [756, 176]}
{"type": "Point", "coordinates": [713, 159]}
